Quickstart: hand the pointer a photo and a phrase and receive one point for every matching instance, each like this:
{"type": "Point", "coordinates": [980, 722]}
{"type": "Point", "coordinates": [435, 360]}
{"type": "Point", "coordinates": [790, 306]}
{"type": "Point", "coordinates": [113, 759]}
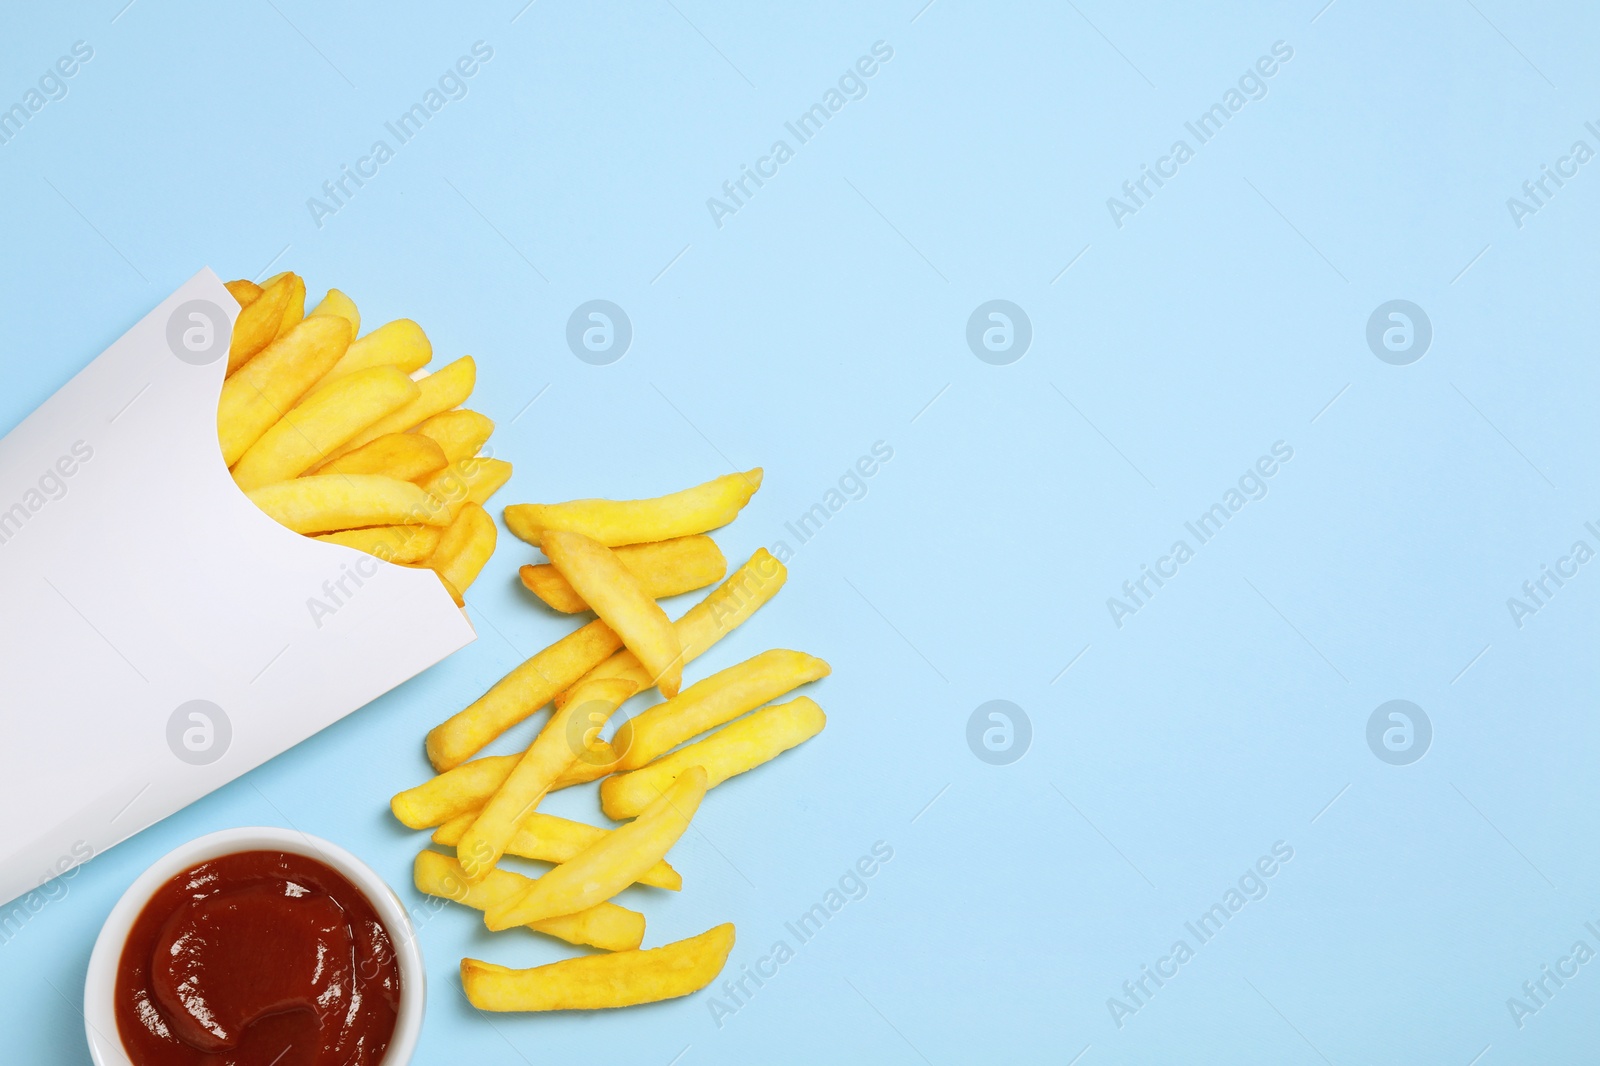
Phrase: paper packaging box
{"type": "Point", "coordinates": [158, 638]}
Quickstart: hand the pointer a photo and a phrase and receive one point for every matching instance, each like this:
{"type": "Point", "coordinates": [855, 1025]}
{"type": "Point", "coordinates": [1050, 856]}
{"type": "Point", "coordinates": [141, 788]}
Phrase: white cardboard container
{"type": "Point", "coordinates": [157, 638]}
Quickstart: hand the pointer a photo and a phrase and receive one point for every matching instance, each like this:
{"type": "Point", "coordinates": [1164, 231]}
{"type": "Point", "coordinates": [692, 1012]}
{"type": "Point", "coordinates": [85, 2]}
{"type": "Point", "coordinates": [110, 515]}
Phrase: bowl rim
{"type": "Point", "coordinates": [99, 1010]}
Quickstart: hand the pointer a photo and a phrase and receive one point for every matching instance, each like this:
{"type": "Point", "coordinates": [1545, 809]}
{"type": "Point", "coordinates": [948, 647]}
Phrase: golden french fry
{"type": "Point", "coordinates": [322, 423]}
{"type": "Point", "coordinates": [722, 611]}
{"type": "Point", "coordinates": [439, 391]}
{"type": "Point", "coordinates": [610, 864]}
{"type": "Point", "coordinates": [405, 544]}
{"type": "Point", "coordinates": [463, 790]}
{"type": "Point", "coordinates": [739, 746]}
{"type": "Point", "coordinates": [460, 790]}
{"type": "Point", "coordinates": [606, 926]}
{"type": "Point", "coordinates": [321, 503]}
{"type": "Point", "coordinates": [614, 522]}
{"type": "Point", "coordinates": [450, 587]}
{"type": "Point", "coordinates": [718, 699]}
{"type": "Point", "coordinates": [610, 588]}
{"type": "Point", "coordinates": [518, 694]}
{"type": "Point", "coordinates": [398, 455]}
{"type": "Point", "coordinates": [465, 547]}
{"type": "Point", "coordinates": [337, 303]}
{"type": "Point", "coordinates": [555, 748]}
{"type": "Point", "coordinates": [399, 343]}
{"type": "Point", "coordinates": [552, 839]}
{"type": "Point", "coordinates": [471, 480]}
{"type": "Point", "coordinates": [244, 292]}
{"type": "Point", "coordinates": [597, 761]}
{"type": "Point", "coordinates": [620, 979]}
{"type": "Point", "coordinates": [294, 311]}
{"type": "Point", "coordinates": [266, 387]}
{"type": "Point", "coordinates": [460, 433]}
{"type": "Point", "coordinates": [664, 568]}
{"type": "Point", "coordinates": [257, 324]}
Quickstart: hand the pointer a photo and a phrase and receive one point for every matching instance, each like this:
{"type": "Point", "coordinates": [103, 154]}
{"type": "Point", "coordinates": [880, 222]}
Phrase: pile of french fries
{"type": "Point", "coordinates": [615, 558]}
{"type": "Point", "coordinates": [342, 437]}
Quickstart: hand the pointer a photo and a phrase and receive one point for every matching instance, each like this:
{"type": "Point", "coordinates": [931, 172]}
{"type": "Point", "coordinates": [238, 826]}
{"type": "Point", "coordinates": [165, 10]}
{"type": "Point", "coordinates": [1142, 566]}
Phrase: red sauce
{"type": "Point", "coordinates": [262, 958]}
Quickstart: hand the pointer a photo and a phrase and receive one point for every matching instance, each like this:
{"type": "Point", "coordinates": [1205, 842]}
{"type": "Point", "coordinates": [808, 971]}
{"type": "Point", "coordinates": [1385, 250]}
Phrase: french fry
{"type": "Point", "coordinates": [620, 979]}
{"type": "Point", "coordinates": [321, 503]}
{"type": "Point", "coordinates": [552, 751]}
{"type": "Point", "coordinates": [718, 699]}
{"type": "Point", "coordinates": [257, 324]}
{"type": "Point", "coordinates": [610, 864]}
{"type": "Point", "coordinates": [551, 839]}
{"type": "Point", "coordinates": [518, 694]}
{"type": "Point", "coordinates": [263, 389]}
{"type": "Point", "coordinates": [614, 593]}
{"type": "Point", "coordinates": [243, 292]}
{"type": "Point", "coordinates": [294, 310]}
{"type": "Point", "coordinates": [404, 544]}
{"type": "Point", "coordinates": [739, 746]}
{"type": "Point", "coordinates": [605, 926]}
{"type": "Point", "coordinates": [663, 568]}
{"type": "Point", "coordinates": [398, 455]}
{"type": "Point", "coordinates": [337, 303]}
{"type": "Point", "coordinates": [439, 391]}
{"type": "Point", "coordinates": [464, 789]}
{"type": "Point", "coordinates": [722, 611]}
{"type": "Point", "coordinates": [465, 547]}
{"type": "Point", "coordinates": [462, 434]}
{"type": "Point", "coordinates": [321, 423]}
{"type": "Point", "coordinates": [471, 480]}
{"type": "Point", "coordinates": [399, 343]}
{"type": "Point", "coordinates": [614, 522]}
{"type": "Point", "coordinates": [598, 760]}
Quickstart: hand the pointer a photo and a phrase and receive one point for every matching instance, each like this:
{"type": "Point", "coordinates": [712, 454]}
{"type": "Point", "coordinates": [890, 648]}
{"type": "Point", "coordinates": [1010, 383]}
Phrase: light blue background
{"type": "Point", "coordinates": [829, 314]}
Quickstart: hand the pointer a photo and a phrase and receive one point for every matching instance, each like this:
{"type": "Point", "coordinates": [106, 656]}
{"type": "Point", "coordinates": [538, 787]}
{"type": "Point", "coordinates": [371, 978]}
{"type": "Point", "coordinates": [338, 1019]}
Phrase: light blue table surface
{"type": "Point", "coordinates": [1175, 341]}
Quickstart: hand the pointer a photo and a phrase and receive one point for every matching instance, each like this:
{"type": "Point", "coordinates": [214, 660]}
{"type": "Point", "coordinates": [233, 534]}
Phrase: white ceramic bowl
{"type": "Point", "coordinates": [99, 988]}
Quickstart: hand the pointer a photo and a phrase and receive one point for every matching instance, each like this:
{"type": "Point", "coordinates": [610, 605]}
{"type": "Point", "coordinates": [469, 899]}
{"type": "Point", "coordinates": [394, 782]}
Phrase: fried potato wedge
{"type": "Point", "coordinates": [263, 390]}
{"type": "Point", "coordinates": [337, 303]}
{"type": "Point", "coordinates": [714, 701]}
{"type": "Point", "coordinates": [405, 544]}
{"type": "Point", "coordinates": [720, 613]}
{"type": "Point", "coordinates": [243, 292]}
{"type": "Point", "coordinates": [620, 979]}
{"type": "Point", "coordinates": [443, 389]}
{"type": "Point", "coordinates": [322, 503]}
{"type": "Point", "coordinates": [553, 839]}
{"type": "Point", "coordinates": [555, 748]}
{"type": "Point", "coordinates": [471, 480]}
{"type": "Point", "coordinates": [664, 568]}
{"type": "Point", "coordinates": [613, 522]}
{"type": "Point", "coordinates": [321, 423]}
{"type": "Point", "coordinates": [399, 343]}
{"type": "Point", "coordinates": [605, 926]}
{"type": "Point", "coordinates": [462, 434]}
{"type": "Point", "coordinates": [610, 588]}
{"type": "Point", "coordinates": [460, 791]}
{"type": "Point", "coordinates": [610, 864]}
{"type": "Point", "coordinates": [398, 455]}
{"type": "Point", "coordinates": [739, 746]}
{"type": "Point", "coordinates": [465, 547]}
{"type": "Point", "coordinates": [518, 694]}
{"type": "Point", "coordinates": [294, 310]}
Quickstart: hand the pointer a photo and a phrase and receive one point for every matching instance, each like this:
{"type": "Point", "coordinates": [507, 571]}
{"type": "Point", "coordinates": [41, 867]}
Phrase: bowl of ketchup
{"type": "Point", "coordinates": [255, 947]}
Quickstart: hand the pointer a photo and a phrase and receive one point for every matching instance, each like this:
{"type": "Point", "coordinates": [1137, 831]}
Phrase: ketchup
{"type": "Point", "coordinates": [261, 958]}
